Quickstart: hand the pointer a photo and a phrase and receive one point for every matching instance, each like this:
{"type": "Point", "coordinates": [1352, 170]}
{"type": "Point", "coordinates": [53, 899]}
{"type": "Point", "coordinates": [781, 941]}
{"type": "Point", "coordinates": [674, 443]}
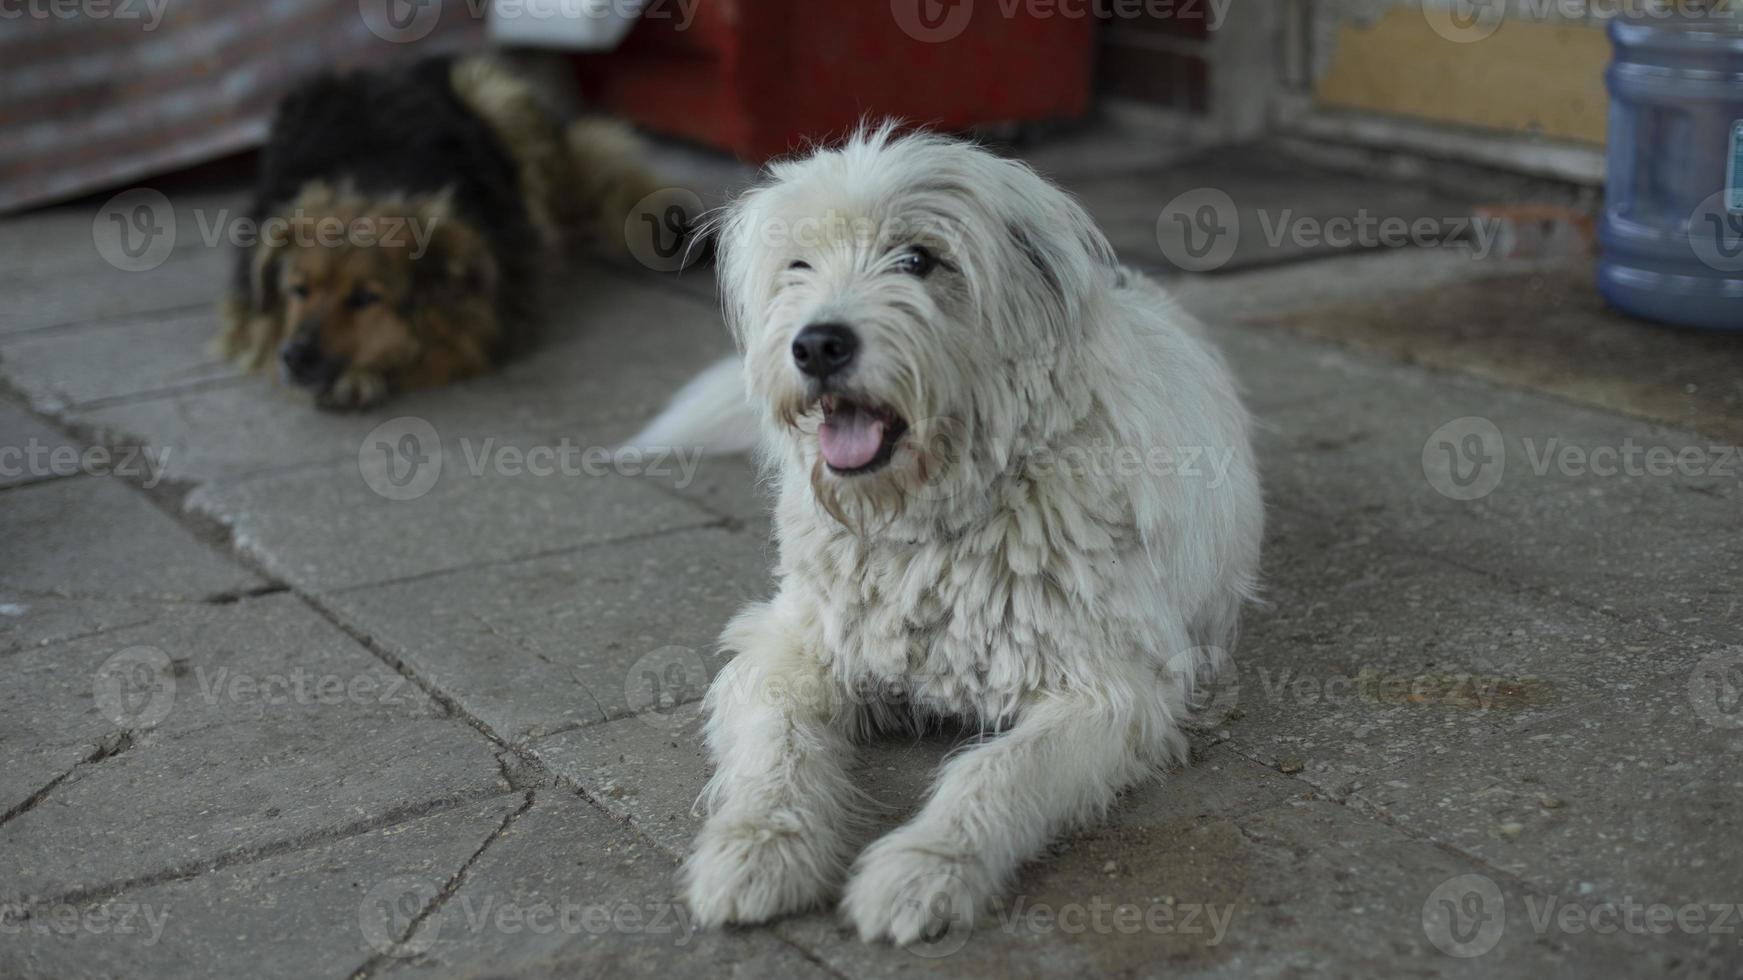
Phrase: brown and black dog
{"type": "Point", "coordinates": [406, 218]}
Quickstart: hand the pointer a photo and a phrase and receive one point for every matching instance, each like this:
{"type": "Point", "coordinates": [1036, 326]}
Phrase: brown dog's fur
{"type": "Point", "coordinates": [383, 290]}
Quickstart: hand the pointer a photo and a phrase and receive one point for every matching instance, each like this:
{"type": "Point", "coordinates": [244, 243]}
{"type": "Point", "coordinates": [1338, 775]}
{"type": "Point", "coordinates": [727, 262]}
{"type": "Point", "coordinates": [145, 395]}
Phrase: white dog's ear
{"type": "Point", "coordinates": [745, 284]}
{"type": "Point", "coordinates": [1058, 258]}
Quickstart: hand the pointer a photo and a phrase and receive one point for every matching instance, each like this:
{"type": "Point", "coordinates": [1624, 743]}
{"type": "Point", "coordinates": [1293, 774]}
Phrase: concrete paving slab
{"type": "Point", "coordinates": [28, 447]}
{"type": "Point", "coordinates": [60, 370]}
{"type": "Point", "coordinates": [182, 668]}
{"type": "Point", "coordinates": [292, 916]}
{"type": "Point", "coordinates": [1300, 888]}
{"type": "Point", "coordinates": [609, 354]}
{"type": "Point", "coordinates": [95, 535]}
{"type": "Point", "coordinates": [35, 620]}
{"type": "Point", "coordinates": [1576, 348]}
{"type": "Point", "coordinates": [1535, 491]}
{"type": "Point", "coordinates": [1274, 292]}
{"type": "Point", "coordinates": [112, 296]}
{"type": "Point", "coordinates": [730, 486]}
{"type": "Point", "coordinates": [1229, 209]}
{"type": "Point", "coordinates": [1366, 655]}
{"type": "Point", "coordinates": [532, 647]}
{"type": "Point", "coordinates": [227, 794]}
{"type": "Point", "coordinates": [566, 891]}
{"type": "Point", "coordinates": [340, 527]}
{"type": "Point", "coordinates": [1633, 799]}
{"type": "Point", "coordinates": [63, 241]}
{"type": "Point", "coordinates": [226, 730]}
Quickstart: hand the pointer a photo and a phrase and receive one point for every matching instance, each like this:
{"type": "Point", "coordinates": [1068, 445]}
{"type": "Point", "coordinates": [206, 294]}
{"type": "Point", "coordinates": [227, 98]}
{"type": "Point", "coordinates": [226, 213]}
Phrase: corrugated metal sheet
{"type": "Point", "coordinates": [98, 93]}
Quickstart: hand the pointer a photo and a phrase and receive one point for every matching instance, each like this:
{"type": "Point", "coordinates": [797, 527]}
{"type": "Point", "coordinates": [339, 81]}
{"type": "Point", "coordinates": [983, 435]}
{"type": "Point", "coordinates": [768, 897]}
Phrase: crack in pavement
{"type": "Point", "coordinates": [451, 886]}
{"type": "Point", "coordinates": [23, 907]}
{"type": "Point", "coordinates": [108, 747]}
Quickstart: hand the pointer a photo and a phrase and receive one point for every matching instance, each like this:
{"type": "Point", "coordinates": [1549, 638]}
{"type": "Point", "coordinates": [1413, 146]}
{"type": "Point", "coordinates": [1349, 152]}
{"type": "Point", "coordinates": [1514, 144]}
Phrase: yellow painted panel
{"type": "Point", "coordinates": [1525, 77]}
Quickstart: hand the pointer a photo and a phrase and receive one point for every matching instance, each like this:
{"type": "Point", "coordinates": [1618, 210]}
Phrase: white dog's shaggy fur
{"type": "Point", "coordinates": [1056, 539]}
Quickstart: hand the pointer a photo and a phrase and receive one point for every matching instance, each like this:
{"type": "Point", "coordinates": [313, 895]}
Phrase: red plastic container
{"type": "Point", "coordinates": [760, 77]}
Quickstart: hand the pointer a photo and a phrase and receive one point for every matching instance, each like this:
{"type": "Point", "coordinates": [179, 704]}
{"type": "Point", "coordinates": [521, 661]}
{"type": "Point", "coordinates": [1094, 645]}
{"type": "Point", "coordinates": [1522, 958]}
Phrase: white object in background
{"type": "Point", "coordinates": [578, 25]}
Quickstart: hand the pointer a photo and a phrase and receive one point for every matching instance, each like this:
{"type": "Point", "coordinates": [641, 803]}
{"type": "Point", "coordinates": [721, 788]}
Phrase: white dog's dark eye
{"type": "Point", "coordinates": [916, 261]}
{"type": "Point", "coordinates": [799, 264]}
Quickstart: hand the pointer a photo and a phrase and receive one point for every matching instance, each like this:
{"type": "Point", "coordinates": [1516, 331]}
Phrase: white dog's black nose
{"type": "Point", "coordinates": [822, 349]}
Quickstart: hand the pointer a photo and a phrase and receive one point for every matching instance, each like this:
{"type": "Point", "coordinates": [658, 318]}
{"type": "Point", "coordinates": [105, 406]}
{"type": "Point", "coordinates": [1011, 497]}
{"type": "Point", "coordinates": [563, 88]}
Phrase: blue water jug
{"type": "Point", "coordinates": [1672, 231]}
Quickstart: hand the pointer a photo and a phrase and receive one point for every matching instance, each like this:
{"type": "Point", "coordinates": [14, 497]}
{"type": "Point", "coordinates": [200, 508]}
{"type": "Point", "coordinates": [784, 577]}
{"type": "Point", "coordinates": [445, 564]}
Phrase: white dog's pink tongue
{"type": "Point", "coordinates": [850, 439]}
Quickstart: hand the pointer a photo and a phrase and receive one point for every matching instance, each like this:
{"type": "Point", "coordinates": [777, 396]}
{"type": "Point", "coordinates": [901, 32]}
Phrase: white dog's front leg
{"type": "Point", "coordinates": [780, 802]}
{"type": "Point", "coordinates": [999, 804]}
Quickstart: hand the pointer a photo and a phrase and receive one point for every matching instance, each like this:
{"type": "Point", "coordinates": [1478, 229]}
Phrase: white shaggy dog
{"type": "Point", "coordinates": [1015, 486]}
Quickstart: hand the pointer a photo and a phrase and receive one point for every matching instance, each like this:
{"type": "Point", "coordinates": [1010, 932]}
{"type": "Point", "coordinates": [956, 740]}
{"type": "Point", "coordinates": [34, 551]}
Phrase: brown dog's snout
{"type": "Point", "coordinates": [303, 360]}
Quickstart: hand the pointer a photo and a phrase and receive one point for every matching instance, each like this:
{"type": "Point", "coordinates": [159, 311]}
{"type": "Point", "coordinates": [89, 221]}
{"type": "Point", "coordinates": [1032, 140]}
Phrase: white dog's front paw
{"type": "Point", "coordinates": [907, 892]}
{"type": "Point", "coordinates": [749, 870]}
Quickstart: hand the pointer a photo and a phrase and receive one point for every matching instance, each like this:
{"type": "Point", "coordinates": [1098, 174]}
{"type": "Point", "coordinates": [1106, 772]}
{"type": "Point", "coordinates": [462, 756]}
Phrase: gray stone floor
{"type": "Point", "coordinates": [269, 712]}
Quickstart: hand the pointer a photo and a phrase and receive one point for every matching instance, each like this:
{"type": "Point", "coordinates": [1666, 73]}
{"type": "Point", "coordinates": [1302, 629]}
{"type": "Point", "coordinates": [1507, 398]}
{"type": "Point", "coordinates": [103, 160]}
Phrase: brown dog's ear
{"type": "Point", "coordinates": [454, 255]}
{"type": "Point", "coordinates": [276, 236]}
{"type": "Point", "coordinates": [265, 295]}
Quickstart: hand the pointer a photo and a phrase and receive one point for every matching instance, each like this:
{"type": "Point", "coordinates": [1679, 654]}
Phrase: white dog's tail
{"type": "Point", "coordinates": [710, 412]}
